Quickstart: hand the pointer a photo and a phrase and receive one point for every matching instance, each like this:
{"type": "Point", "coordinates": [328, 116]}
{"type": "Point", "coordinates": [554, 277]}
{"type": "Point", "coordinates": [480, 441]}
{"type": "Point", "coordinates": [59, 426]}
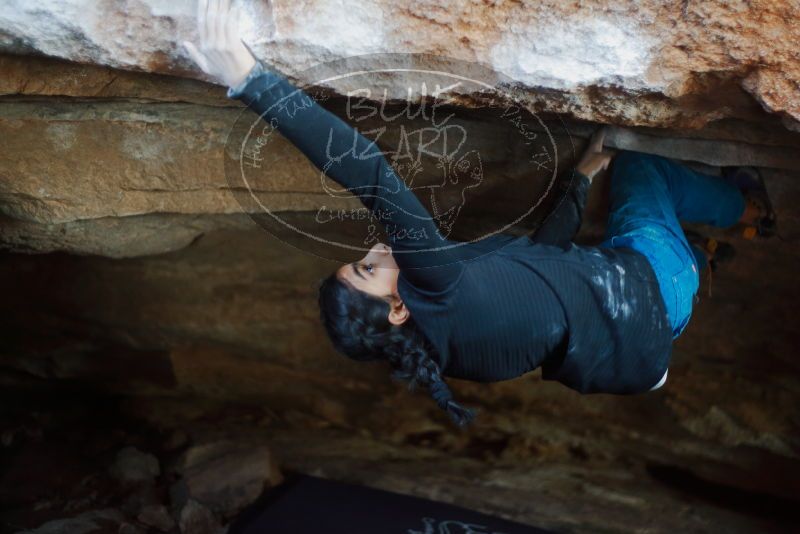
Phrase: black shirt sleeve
{"type": "Point", "coordinates": [425, 257]}
{"type": "Point", "coordinates": [564, 221]}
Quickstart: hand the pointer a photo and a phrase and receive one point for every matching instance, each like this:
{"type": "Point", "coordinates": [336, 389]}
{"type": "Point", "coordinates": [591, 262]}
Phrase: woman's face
{"type": "Point", "coordinates": [376, 273]}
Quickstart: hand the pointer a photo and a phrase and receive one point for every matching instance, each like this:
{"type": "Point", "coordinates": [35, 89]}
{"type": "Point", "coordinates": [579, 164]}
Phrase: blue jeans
{"type": "Point", "coordinates": [650, 195]}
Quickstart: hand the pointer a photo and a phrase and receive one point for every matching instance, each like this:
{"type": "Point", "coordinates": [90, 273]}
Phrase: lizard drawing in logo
{"type": "Point", "coordinates": [445, 188]}
{"type": "Point", "coordinates": [449, 197]}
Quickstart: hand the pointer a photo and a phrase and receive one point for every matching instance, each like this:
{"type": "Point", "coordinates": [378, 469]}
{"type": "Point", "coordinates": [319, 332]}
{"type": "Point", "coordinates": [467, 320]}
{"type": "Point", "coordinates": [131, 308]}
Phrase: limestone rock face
{"type": "Point", "coordinates": [626, 62]}
{"type": "Point", "coordinates": [102, 161]}
{"type": "Point", "coordinates": [118, 151]}
{"type": "Point", "coordinates": [152, 286]}
{"type": "Point", "coordinates": [133, 465]}
{"type": "Point", "coordinates": [227, 476]}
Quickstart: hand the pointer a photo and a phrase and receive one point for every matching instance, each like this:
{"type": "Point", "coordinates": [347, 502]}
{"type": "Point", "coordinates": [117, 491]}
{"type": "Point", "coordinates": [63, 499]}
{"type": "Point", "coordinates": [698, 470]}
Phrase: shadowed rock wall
{"type": "Point", "coordinates": [130, 273]}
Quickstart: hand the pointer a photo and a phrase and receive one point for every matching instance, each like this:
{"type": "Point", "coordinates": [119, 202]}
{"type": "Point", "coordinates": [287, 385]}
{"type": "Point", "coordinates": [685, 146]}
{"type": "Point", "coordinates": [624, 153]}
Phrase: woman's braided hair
{"type": "Point", "coordinates": [358, 325]}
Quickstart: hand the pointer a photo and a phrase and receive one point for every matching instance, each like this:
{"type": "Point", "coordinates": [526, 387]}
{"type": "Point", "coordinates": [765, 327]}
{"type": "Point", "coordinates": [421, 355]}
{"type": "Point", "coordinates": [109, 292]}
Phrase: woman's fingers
{"type": "Point", "coordinates": [222, 24]}
{"type": "Point", "coordinates": [202, 7]}
{"type": "Point", "coordinates": [232, 26]}
{"type": "Point", "coordinates": [606, 160]}
{"type": "Point", "coordinates": [601, 137]}
{"type": "Point", "coordinates": [211, 23]}
{"type": "Point", "coordinates": [196, 56]}
{"type": "Point", "coordinates": [596, 142]}
{"type": "Point", "coordinates": [593, 162]}
{"type": "Point", "coordinates": [601, 160]}
{"type": "Point", "coordinates": [220, 52]}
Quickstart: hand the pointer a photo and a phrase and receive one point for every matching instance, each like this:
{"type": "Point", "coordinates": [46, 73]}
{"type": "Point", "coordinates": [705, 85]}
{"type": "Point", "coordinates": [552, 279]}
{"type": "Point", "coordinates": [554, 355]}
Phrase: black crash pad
{"type": "Point", "coordinates": [305, 504]}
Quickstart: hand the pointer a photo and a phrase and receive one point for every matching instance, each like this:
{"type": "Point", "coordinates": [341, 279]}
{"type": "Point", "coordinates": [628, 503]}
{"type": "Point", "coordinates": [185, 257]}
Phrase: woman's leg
{"type": "Point", "coordinates": [700, 257]}
{"type": "Point", "coordinates": [640, 195]}
{"type": "Point", "coordinates": [643, 217]}
{"type": "Point", "coordinates": [698, 197]}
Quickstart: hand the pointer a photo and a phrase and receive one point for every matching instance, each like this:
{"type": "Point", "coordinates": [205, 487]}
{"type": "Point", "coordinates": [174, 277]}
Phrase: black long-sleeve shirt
{"type": "Point", "coordinates": [592, 317]}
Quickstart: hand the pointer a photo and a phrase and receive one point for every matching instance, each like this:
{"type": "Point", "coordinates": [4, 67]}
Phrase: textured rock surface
{"type": "Point", "coordinates": [230, 322]}
{"type": "Point", "coordinates": [157, 517]}
{"type": "Point", "coordinates": [648, 63]}
{"type": "Point", "coordinates": [117, 163]}
{"type": "Point", "coordinates": [226, 476]}
{"type": "Point", "coordinates": [159, 317]}
{"type": "Point", "coordinates": [87, 523]}
{"type": "Point", "coordinates": [197, 518]}
{"type": "Point", "coordinates": [133, 465]}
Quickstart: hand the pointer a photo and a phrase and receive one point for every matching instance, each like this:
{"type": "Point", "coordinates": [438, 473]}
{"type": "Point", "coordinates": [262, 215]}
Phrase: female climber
{"type": "Point", "coordinates": [596, 318]}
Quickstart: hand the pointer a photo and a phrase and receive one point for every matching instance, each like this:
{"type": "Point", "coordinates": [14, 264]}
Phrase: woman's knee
{"type": "Point", "coordinates": [626, 169]}
{"type": "Point", "coordinates": [632, 157]}
{"type": "Point", "coordinates": [631, 167]}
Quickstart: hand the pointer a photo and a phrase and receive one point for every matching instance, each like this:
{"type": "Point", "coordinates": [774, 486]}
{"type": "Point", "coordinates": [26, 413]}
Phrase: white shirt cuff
{"type": "Point", "coordinates": [660, 382]}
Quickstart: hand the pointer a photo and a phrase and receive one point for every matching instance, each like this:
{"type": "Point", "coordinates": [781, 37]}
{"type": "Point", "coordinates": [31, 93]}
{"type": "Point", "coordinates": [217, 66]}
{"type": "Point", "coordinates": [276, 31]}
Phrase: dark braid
{"type": "Point", "coordinates": [358, 325]}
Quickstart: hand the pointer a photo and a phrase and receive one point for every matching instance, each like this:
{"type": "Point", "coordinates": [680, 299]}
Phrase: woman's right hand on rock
{"type": "Point", "coordinates": [220, 52]}
{"type": "Point", "coordinates": [594, 159]}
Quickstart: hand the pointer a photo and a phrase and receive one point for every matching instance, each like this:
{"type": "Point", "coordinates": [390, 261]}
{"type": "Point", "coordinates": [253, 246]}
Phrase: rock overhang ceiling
{"type": "Point", "coordinates": [649, 63]}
